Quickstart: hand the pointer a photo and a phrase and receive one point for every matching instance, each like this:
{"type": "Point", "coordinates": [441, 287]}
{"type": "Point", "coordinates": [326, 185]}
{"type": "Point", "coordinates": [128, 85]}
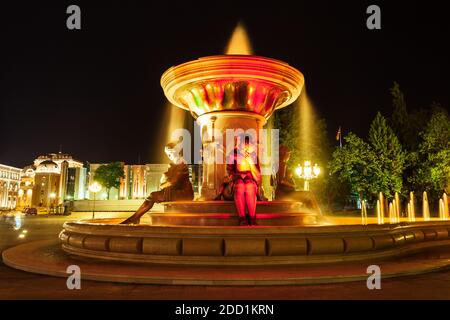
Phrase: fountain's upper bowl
{"type": "Point", "coordinates": [232, 83]}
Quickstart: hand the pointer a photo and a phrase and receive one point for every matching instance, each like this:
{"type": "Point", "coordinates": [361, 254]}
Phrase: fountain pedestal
{"type": "Point", "coordinates": [235, 92]}
{"type": "Point", "coordinates": [215, 146]}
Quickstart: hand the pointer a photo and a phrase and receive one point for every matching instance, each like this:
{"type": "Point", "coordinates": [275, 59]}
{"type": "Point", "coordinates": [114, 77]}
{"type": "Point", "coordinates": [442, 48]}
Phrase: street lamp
{"type": "Point", "coordinates": [94, 188]}
{"type": "Point", "coordinates": [307, 172]}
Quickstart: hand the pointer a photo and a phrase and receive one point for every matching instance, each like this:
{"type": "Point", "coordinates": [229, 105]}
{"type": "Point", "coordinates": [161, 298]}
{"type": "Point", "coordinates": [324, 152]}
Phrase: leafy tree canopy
{"type": "Point", "coordinates": [389, 156]}
{"type": "Point", "coordinates": [355, 164]}
{"type": "Point", "coordinates": [372, 167]}
{"type": "Point", "coordinates": [109, 175]}
{"type": "Point", "coordinates": [434, 154]}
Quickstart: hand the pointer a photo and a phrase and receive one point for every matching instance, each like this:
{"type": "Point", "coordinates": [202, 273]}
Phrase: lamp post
{"type": "Point", "coordinates": [307, 172]}
{"type": "Point", "coordinates": [94, 188]}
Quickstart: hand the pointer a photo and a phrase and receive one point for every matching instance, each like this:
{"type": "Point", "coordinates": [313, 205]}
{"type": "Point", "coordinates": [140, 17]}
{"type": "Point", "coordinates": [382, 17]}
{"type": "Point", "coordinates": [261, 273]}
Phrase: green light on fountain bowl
{"type": "Point", "coordinates": [232, 83]}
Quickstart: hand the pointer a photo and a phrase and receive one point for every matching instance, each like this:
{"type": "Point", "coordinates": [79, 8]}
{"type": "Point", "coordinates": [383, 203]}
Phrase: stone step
{"type": "Point", "coordinates": [231, 219]}
{"type": "Point", "coordinates": [228, 215]}
{"type": "Point", "coordinates": [229, 207]}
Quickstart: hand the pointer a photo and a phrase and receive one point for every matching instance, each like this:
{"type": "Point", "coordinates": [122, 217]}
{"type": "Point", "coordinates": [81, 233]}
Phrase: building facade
{"type": "Point", "coordinates": [141, 180]}
{"type": "Point", "coordinates": [59, 158]}
{"type": "Point", "coordinates": [26, 187]}
{"type": "Point", "coordinates": [52, 179]}
{"type": "Point", "coordinates": [76, 183]}
{"type": "Point", "coordinates": [46, 184]}
{"type": "Point", "coordinates": [55, 178]}
{"type": "Point", "coordinates": [9, 186]}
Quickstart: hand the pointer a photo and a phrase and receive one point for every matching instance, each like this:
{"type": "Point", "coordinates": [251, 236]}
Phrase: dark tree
{"type": "Point", "coordinates": [432, 160]}
{"type": "Point", "coordinates": [355, 164]}
{"type": "Point", "coordinates": [109, 175]}
{"type": "Point", "coordinates": [389, 156]}
{"type": "Point", "coordinates": [400, 121]}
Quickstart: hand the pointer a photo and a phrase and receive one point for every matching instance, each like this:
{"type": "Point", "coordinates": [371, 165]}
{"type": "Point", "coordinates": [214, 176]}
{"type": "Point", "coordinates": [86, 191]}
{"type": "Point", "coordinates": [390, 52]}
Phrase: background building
{"type": "Point", "coordinates": [76, 183]}
{"type": "Point", "coordinates": [26, 187]}
{"type": "Point", "coordinates": [52, 179]}
{"type": "Point", "coordinates": [140, 180]}
{"type": "Point", "coordinates": [9, 186]}
{"type": "Point", "coordinates": [46, 184]}
{"type": "Point", "coordinates": [59, 158]}
{"type": "Point", "coordinates": [57, 177]}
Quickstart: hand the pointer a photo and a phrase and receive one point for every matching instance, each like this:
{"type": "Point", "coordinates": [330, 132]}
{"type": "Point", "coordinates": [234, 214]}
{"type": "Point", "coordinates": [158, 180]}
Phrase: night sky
{"type": "Point", "coordinates": [96, 91]}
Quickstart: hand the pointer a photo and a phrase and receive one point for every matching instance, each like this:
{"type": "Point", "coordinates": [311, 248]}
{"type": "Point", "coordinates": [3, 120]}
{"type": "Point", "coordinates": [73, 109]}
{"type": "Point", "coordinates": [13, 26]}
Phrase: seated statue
{"type": "Point", "coordinates": [243, 166]}
{"type": "Point", "coordinates": [175, 185]}
{"type": "Point", "coordinates": [226, 191]}
{"type": "Point", "coordinates": [285, 185]}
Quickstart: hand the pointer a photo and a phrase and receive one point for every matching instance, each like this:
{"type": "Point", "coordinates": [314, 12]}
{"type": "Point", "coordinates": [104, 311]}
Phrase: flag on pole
{"type": "Point", "coordinates": [339, 136]}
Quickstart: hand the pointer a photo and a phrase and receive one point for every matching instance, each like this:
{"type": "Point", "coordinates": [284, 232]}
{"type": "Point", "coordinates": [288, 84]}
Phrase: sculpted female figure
{"type": "Point", "coordinates": [175, 185]}
{"type": "Point", "coordinates": [244, 168]}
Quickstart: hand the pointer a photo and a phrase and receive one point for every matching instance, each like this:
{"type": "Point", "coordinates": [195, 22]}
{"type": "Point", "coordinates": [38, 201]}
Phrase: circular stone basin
{"type": "Point", "coordinates": [46, 257]}
{"type": "Point", "coordinates": [290, 245]}
{"type": "Point", "coordinates": [232, 83]}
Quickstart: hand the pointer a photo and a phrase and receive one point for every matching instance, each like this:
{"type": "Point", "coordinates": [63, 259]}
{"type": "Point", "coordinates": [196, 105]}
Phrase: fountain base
{"type": "Point", "coordinates": [47, 257]}
{"type": "Point", "coordinates": [105, 239]}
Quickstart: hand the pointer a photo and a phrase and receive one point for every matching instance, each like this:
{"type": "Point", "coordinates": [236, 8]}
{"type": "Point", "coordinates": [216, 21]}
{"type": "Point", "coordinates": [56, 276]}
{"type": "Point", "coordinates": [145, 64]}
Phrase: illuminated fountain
{"type": "Point", "coordinates": [241, 92]}
{"type": "Point", "coordinates": [231, 92]}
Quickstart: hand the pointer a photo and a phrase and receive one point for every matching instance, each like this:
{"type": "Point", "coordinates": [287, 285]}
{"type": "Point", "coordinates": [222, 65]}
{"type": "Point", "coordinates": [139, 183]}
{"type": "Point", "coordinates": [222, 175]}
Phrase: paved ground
{"type": "Point", "coordinates": [21, 285]}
